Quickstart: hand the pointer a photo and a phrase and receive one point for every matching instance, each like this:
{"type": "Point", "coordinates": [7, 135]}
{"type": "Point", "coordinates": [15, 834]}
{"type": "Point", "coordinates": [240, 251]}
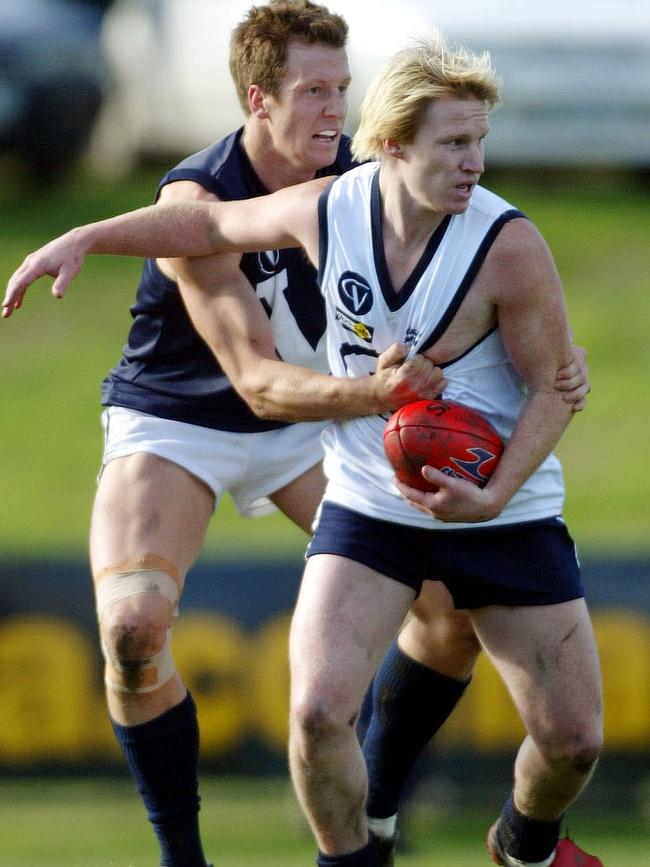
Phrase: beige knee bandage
{"type": "Point", "coordinates": [146, 574]}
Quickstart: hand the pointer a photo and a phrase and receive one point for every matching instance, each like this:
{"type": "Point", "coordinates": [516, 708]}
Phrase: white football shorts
{"type": "Point", "coordinates": [249, 466]}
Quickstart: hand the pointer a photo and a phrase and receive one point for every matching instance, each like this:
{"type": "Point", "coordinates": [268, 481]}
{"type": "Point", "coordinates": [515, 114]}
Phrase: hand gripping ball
{"type": "Point", "coordinates": [455, 439]}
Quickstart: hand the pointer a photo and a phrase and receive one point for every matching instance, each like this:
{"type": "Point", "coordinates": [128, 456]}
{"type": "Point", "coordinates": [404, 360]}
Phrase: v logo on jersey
{"type": "Point", "coordinates": [355, 292]}
{"type": "Point", "coordinates": [269, 261]}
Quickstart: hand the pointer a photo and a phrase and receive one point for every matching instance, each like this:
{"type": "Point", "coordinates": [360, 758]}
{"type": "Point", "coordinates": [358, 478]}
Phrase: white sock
{"type": "Point", "coordinates": [384, 828]}
{"type": "Point", "coordinates": [515, 862]}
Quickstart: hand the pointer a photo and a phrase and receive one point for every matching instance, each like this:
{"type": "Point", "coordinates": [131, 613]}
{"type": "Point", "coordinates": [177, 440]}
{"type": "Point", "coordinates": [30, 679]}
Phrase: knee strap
{"type": "Point", "coordinates": [146, 574]}
{"type": "Point", "coordinates": [145, 675]}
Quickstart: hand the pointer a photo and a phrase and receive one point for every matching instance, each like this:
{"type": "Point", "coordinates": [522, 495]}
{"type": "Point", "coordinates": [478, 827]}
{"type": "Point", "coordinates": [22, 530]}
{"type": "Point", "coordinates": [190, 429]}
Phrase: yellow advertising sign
{"type": "Point", "coordinates": [52, 703]}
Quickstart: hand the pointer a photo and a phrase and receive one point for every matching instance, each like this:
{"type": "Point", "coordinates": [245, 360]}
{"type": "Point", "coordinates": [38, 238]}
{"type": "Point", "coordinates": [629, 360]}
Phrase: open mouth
{"type": "Point", "coordinates": [327, 135]}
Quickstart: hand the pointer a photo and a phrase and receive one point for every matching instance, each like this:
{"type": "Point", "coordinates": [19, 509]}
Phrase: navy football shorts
{"type": "Point", "coordinates": [529, 563]}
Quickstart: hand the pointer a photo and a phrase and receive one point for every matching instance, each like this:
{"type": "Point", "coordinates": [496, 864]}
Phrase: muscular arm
{"type": "Point", "coordinates": [230, 318]}
{"type": "Point", "coordinates": [532, 318]}
{"type": "Point", "coordinates": [521, 282]}
{"type": "Point", "coordinates": [287, 218]}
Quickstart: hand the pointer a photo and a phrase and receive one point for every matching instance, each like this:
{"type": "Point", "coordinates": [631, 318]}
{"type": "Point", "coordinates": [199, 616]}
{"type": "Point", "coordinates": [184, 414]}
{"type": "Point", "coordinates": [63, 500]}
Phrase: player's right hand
{"type": "Point", "coordinates": [403, 380]}
{"type": "Point", "coordinates": [62, 259]}
{"type": "Point", "coordinates": [455, 500]}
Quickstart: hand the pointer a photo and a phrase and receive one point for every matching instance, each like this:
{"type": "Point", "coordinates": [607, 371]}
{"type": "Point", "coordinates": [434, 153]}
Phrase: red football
{"type": "Point", "coordinates": [455, 439]}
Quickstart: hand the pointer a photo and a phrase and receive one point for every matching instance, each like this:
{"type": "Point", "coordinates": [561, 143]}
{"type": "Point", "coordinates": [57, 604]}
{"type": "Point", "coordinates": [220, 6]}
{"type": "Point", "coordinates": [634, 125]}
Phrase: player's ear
{"type": "Point", "coordinates": [393, 148]}
{"type": "Point", "coordinates": [257, 101]}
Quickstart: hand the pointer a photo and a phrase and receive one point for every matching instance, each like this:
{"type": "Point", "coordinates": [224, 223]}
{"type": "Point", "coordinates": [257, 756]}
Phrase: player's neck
{"type": "Point", "coordinates": [403, 218]}
{"type": "Point", "coordinates": [273, 168]}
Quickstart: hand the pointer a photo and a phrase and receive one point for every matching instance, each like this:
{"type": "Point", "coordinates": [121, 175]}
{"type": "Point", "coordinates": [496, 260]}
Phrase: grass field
{"type": "Point", "coordinates": [54, 354]}
{"type": "Point", "coordinates": [248, 823]}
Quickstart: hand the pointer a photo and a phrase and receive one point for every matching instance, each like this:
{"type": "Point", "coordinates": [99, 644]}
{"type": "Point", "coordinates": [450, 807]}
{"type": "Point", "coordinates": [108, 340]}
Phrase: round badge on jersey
{"type": "Point", "coordinates": [355, 292]}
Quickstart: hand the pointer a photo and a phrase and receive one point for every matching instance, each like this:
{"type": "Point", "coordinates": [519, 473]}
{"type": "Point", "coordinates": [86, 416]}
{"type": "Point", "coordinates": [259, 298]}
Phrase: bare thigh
{"type": "Point", "coordinates": [300, 499]}
{"type": "Point", "coordinates": [148, 505]}
{"type": "Point", "coordinates": [345, 618]}
{"type": "Point", "coordinates": [547, 657]}
{"type": "Point", "coordinates": [435, 633]}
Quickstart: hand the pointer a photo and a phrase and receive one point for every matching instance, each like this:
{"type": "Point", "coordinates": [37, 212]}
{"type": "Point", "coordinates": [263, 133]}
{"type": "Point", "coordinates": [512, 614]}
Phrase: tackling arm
{"type": "Point", "coordinates": [230, 318]}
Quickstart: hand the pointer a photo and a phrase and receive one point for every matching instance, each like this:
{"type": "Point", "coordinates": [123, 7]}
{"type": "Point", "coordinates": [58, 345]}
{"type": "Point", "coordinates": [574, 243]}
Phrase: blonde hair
{"type": "Point", "coordinates": [259, 44]}
{"type": "Point", "coordinates": [417, 75]}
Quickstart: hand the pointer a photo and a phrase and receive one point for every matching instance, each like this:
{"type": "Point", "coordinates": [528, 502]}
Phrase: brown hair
{"type": "Point", "coordinates": [259, 44]}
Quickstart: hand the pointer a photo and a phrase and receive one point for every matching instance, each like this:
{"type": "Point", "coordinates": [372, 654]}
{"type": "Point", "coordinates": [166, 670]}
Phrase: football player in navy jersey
{"type": "Point", "coordinates": [179, 435]}
{"type": "Point", "coordinates": [286, 138]}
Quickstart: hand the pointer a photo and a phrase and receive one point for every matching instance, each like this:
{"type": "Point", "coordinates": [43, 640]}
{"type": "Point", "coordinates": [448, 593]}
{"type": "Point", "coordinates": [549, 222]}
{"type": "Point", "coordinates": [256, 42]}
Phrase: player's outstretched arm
{"type": "Point", "coordinates": [287, 218]}
{"type": "Point", "coordinates": [146, 231]}
{"type": "Point", "coordinates": [61, 259]}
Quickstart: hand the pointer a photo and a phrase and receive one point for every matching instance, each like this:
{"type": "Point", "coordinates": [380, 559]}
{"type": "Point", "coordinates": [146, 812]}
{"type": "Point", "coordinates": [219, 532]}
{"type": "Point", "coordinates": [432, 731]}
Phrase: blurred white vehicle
{"type": "Point", "coordinates": [576, 74]}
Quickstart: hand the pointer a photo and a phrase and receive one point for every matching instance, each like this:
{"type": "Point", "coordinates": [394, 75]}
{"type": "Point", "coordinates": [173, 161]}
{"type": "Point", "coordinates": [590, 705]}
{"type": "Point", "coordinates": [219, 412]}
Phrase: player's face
{"type": "Point", "coordinates": [446, 160]}
{"type": "Point", "coordinates": [307, 116]}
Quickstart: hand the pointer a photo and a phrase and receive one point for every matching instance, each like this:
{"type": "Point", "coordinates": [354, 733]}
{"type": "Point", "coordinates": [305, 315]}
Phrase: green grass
{"type": "Point", "coordinates": [54, 354]}
{"type": "Point", "coordinates": [247, 823]}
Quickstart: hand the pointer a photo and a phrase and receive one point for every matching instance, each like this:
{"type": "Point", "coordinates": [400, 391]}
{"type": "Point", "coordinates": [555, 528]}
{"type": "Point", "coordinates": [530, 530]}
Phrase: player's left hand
{"type": "Point", "coordinates": [62, 259]}
{"type": "Point", "coordinates": [572, 380]}
{"type": "Point", "coordinates": [456, 500]}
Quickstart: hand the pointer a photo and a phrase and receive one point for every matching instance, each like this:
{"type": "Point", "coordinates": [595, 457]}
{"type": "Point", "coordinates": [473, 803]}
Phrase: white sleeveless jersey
{"type": "Point", "coordinates": [365, 316]}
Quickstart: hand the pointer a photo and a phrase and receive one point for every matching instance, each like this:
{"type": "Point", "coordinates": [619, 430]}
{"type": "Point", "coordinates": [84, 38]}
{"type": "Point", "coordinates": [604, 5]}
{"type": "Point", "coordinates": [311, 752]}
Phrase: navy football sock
{"type": "Point", "coordinates": [410, 702]}
{"type": "Point", "coordinates": [163, 756]}
{"type": "Point", "coordinates": [524, 838]}
{"type": "Point", "coordinates": [365, 857]}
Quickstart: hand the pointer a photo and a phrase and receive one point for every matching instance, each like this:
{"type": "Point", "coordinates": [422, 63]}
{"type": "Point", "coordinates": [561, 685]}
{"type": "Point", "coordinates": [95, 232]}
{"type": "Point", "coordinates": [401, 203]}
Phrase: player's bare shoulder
{"type": "Point", "coordinates": [296, 209]}
{"type": "Point", "coordinates": [518, 262]}
{"type": "Point", "coordinates": [185, 191]}
{"type": "Point", "coordinates": [304, 197]}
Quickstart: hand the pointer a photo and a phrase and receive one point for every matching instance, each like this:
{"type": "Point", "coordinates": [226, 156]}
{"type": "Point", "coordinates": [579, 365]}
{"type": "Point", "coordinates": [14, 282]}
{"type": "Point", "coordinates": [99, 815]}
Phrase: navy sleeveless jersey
{"type": "Point", "coordinates": [166, 369]}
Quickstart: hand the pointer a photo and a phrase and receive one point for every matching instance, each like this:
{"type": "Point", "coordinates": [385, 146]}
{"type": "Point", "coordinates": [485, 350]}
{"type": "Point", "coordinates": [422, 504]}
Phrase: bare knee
{"type": "Point", "coordinates": [456, 631]}
{"type": "Point", "coordinates": [576, 749]}
{"type": "Point", "coordinates": [317, 722]}
{"type": "Point", "coordinates": [441, 638]}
